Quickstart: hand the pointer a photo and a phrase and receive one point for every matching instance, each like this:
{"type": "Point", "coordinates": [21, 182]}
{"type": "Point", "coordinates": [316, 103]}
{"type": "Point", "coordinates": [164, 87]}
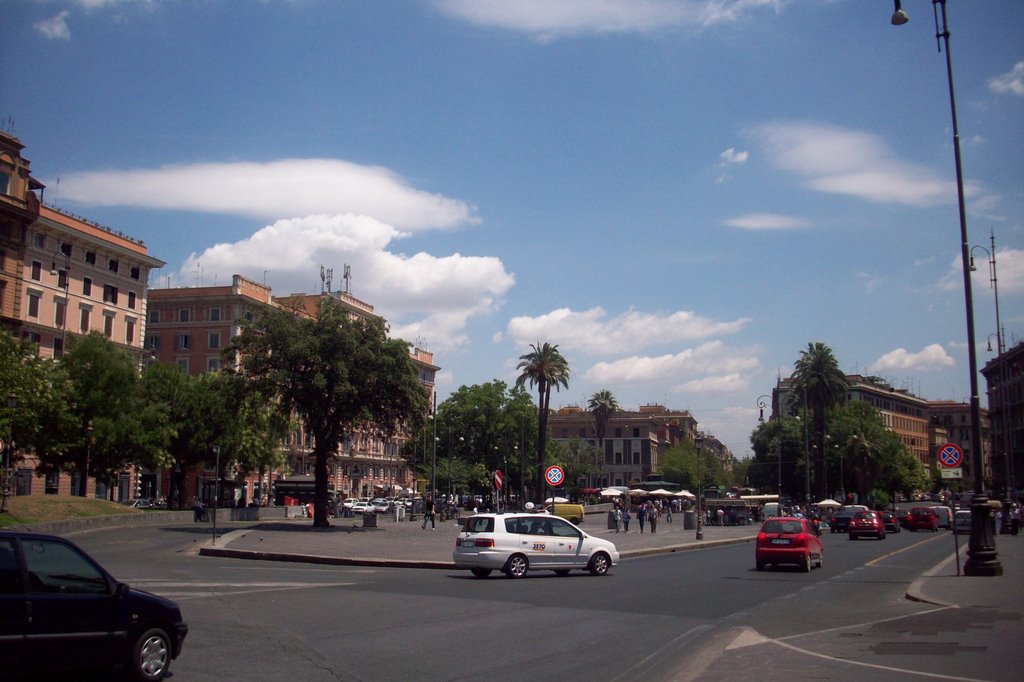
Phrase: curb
{"type": "Point", "coordinates": [915, 592]}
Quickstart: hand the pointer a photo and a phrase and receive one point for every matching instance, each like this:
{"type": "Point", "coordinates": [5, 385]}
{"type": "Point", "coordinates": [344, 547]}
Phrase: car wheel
{"type": "Point", "coordinates": [821, 559]}
{"type": "Point", "coordinates": [599, 564]}
{"type": "Point", "coordinates": [517, 566]}
{"type": "Point", "coordinates": [481, 572]}
{"type": "Point", "coordinates": [576, 521]}
{"type": "Point", "coordinates": [151, 656]}
{"type": "Point", "coordinates": [806, 565]}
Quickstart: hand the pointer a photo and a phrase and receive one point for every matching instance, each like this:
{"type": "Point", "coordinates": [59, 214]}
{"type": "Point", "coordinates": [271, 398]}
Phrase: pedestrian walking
{"type": "Point", "coordinates": [1014, 519]}
{"type": "Point", "coordinates": [625, 519]}
{"type": "Point", "coordinates": [668, 512]}
{"type": "Point", "coordinates": [428, 514]}
{"type": "Point", "coordinates": [618, 519]}
{"type": "Point", "coordinates": [641, 516]}
{"type": "Point", "coordinates": [720, 517]}
{"type": "Point", "coordinates": [652, 517]}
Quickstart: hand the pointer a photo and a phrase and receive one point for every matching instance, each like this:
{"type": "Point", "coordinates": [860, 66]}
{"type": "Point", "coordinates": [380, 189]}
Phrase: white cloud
{"type": "Point", "coordinates": [870, 282]}
{"type": "Point", "coordinates": [932, 357]}
{"type": "Point", "coordinates": [547, 20]}
{"type": "Point", "coordinates": [767, 221]}
{"type": "Point", "coordinates": [591, 331]}
{"type": "Point", "coordinates": [422, 296]}
{"type": "Point", "coordinates": [692, 364]}
{"type": "Point", "coordinates": [728, 383]}
{"type": "Point", "coordinates": [1009, 83]}
{"type": "Point", "coordinates": [730, 155]}
{"type": "Point", "coordinates": [55, 28]}
{"type": "Point", "coordinates": [838, 160]}
{"type": "Point", "coordinates": [272, 190]}
{"type": "Point", "coordinates": [1009, 270]}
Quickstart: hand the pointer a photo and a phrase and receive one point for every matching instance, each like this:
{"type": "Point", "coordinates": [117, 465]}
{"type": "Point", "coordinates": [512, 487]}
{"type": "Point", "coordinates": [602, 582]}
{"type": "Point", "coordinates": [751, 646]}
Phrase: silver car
{"type": "Point", "coordinates": [517, 543]}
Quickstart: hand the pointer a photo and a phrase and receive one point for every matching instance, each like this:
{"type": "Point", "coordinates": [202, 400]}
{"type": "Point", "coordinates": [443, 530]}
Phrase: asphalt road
{"type": "Point", "coordinates": [704, 615]}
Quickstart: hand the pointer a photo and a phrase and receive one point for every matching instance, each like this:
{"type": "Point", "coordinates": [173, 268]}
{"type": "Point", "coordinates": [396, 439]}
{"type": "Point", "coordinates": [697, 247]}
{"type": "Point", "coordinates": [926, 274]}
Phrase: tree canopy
{"type": "Point", "coordinates": [544, 367]}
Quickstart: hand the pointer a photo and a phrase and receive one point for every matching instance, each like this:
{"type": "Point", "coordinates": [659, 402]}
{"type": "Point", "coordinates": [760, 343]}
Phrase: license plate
{"type": "Point", "coordinates": [780, 541]}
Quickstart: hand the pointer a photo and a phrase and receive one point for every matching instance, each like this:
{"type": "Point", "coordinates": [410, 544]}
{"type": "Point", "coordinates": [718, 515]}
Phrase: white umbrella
{"type": "Point", "coordinates": [636, 492]}
{"type": "Point", "coordinates": [558, 500]}
{"type": "Point", "coordinates": [829, 503]}
{"type": "Point", "coordinates": [660, 492]}
{"type": "Point", "coordinates": [612, 492]}
{"type": "Point", "coordinates": [685, 493]}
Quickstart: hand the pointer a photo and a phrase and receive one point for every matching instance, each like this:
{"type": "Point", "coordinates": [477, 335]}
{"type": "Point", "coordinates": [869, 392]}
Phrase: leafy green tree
{"type": "Point", "coordinates": [602, 406]}
{"type": "Point", "coordinates": [544, 367]}
{"type": "Point", "coordinates": [774, 439]}
{"type": "Point", "coordinates": [818, 377]}
{"type": "Point", "coordinates": [576, 457]}
{"type": "Point", "coordinates": [336, 371]}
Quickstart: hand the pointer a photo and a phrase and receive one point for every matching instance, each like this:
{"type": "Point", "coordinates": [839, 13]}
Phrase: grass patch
{"type": "Point", "coordinates": [28, 509]}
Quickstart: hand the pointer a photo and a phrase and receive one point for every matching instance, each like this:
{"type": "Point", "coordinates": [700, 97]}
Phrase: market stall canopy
{"type": "Point", "coordinates": [637, 492]}
{"type": "Point", "coordinates": [685, 493]}
{"type": "Point", "coordinates": [612, 492]}
{"type": "Point", "coordinates": [661, 492]}
{"type": "Point", "coordinates": [829, 503]}
{"type": "Point", "coordinates": [556, 500]}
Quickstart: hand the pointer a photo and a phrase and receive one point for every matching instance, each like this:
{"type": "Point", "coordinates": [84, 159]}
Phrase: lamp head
{"type": "Point", "coordinates": [899, 17]}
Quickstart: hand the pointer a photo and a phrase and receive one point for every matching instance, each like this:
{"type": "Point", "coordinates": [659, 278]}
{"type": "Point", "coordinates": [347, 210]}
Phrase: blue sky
{"type": "Point", "coordinates": [682, 194]}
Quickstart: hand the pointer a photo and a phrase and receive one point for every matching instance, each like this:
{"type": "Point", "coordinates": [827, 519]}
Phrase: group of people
{"type": "Point", "coordinates": [647, 514]}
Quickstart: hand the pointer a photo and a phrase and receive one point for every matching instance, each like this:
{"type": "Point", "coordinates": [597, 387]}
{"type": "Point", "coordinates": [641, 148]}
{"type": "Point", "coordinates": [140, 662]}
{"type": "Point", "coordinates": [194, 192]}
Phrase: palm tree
{"type": "Point", "coordinates": [602, 405]}
{"type": "Point", "coordinates": [817, 376]}
{"type": "Point", "coordinates": [544, 367]}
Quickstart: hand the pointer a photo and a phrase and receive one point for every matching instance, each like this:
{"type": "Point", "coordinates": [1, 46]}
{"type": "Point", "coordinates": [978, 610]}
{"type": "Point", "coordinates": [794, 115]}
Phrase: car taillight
{"type": "Point", "coordinates": [799, 540]}
{"type": "Point", "coordinates": [762, 539]}
{"type": "Point", "coordinates": [470, 542]}
{"type": "Point", "coordinates": [488, 542]}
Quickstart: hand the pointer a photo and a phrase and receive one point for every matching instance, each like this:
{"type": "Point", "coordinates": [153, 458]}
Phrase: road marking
{"type": "Point", "coordinates": [182, 590]}
{"type": "Point", "coordinates": [904, 549]}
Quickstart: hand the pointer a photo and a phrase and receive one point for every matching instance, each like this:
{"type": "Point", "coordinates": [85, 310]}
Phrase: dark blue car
{"type": "Point", "coordinates": [61, 611]}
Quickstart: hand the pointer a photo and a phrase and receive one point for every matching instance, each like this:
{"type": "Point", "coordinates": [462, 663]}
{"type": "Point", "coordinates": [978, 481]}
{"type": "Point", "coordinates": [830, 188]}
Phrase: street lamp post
{"type": "Point", "coordinates": [699, 444]}
{"type": "Point", "coordinates": [433, 458]}
{"type": "Point", "coordinates": [12, 405]}
{"type": "Point", "coordinates": [216, 489]}
{"type": "Point", "coordinates": [982, 558]}
{"type": "Point", "coordinates": [67, 281]}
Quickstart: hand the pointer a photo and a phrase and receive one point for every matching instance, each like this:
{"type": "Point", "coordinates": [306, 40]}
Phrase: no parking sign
{"type": "Point", "coordinates": [554, 476]}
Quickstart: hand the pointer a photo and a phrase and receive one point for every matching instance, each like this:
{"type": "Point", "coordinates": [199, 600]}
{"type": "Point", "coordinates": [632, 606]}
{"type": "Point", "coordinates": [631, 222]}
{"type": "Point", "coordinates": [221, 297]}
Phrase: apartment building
{"type": "Point", "coordinates": [953, 419]}
{"type": "Point", "coordinates": [1004, 379]}
{"type": "Point", "coordinates": [634, 441]}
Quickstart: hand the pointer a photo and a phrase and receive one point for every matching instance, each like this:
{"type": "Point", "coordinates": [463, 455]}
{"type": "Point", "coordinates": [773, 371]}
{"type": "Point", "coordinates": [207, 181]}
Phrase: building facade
{"type": "Point", "coordinates": [1004, 379]}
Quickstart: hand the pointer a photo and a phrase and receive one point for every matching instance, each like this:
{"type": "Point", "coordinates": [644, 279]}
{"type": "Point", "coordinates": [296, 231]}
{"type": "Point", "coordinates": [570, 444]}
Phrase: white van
{"type": "Point", "coordinates": [945, 515]}
{"type": "Point", "coordinates": [771, 509]}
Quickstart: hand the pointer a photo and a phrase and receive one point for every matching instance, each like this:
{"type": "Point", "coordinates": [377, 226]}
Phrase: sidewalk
{"type": "Point", "coordinates": [942, 586]}
{"type": "Point", "coordinates": [407, 545]}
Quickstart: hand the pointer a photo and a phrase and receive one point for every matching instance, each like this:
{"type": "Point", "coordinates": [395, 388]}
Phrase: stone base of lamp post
{"type": "Point", "coordinates": [981, 550]}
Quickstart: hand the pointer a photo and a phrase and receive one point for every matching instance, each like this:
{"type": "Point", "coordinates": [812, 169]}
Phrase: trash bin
{"type": "Point", "coordinates": [399, 514]}
{"type": "Point", "coordinates": [689, 520]}
{"type": "Point", "coordinates": [611, 520]}
{"type": "Point", "coordinates": [369, 520]}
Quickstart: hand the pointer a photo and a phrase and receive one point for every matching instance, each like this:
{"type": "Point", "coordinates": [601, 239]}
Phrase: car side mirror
{"type": "Point", "coordinates": [122, 590]}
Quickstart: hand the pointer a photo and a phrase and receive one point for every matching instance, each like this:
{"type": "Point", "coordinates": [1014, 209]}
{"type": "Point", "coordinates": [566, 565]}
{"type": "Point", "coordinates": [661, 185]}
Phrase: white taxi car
{"type": "Point", "coordinates": [517, 543]}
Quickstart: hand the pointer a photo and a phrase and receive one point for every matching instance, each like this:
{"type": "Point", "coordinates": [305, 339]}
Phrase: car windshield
{"type": "Point", "coordinates": [776, 526]}
{"type": "Point", "coordinates": [864, 515]}
{"type": "Point", "coordinates": [480, 524]}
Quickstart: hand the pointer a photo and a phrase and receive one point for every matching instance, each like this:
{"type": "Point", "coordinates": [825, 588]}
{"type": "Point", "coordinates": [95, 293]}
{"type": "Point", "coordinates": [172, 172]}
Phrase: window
{"type": "Point", "coordinates": [85, 319]}
{"type": "Point", "coordinates": [182, 364]}
{"type": "Point", "coordinates": [183, 341]}
{"type": "Point", "coordinates": [65, 248]}
{"type": "Point", "coordinates": [214, 314]}
{"type": "Point", "coordinates": [37, 270]}
{"type": "Point", "coordinates": [62, 279]}
{"type": "Point", "coordinates": [131, 300]}
{"type": "Point", "coordinates": [213, 341]}
{"type": "Point", "coordinates": [112, 265]}
{"type": "Point", "coordinates": [129, 332]}
{"type": "Point", "coordinates": [59, 312]}
{"type": "Point", "coordinates": [110, 294]}
{"type": "Point", "coordinates": [86, 286]}
{"type": "Point", "coordinates": [39, 240]}
{"type": "Point", "coordinates": [33, 304]}
{"type": "Point", "coordinates": [108, 326]}
{"type": "Point", "coordinates": [212, 364]}
{"type": "Point", "coordinates": [33, 337]}
{"type": "Point", "coordinates": [184, 315]}
{"type": "Point", "coordinates": [58, 346]}
{"type": "Point", "coordinates": [5, 183]}
{"type": "Point", "coordinates": [153, 342]}
{"type": "Point", "coordinates": [90, 257]}
{"type": "Point", "coordinates": [134, 272]}
{"type": "Point", "coordinates": [154, 316]}
{"type": "Point", "coordinates": [57, 568]}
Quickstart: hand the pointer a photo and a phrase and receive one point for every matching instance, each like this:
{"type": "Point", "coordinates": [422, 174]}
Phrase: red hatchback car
{"type": "Point", "coordinates": [922, 518]}
{"type": "Point", "coordinates": [867, 523]}
{"type": "Point", "coordinates": [788, 540]}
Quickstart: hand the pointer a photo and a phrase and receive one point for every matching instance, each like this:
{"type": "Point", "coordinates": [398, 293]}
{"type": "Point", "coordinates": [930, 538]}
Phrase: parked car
{"type": "Point", "coordinates": [362, 508]}
{"type": "Point", "coordinates": [517, 543]}
{"type": "Point", "coordinates": [922, 518]}
{"type": "Point", "coordinates": [867, 523]}
{"type": "Point", "coordinates": [60, 612]}
{"type": "Point", "coordinates": [380, 505]}
{"type": "Point", "coordinates": [962, 521]}
{"type": "Point", "coordinates": [788, 540]}
{"type": "Point", "coordinates": [349, 503]}
{"type": "Point", "coordinates": [891, 522]}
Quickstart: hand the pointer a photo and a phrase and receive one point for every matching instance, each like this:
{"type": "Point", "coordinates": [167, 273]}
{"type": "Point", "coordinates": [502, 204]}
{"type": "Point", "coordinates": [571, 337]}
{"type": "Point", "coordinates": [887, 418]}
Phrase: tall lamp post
{"type": "Point", "coordinates": [982, 558]}
{"type": "Point", "coordinates": [12, 405]}
{"type": "Point", "coordinates": [699, 443]}
{"type": "Point", "coordinates": [993, 280]}
{"type": "Point", "coordinates": [762, 402]}
{"type": "Point", "coordinates": [67, 281]}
